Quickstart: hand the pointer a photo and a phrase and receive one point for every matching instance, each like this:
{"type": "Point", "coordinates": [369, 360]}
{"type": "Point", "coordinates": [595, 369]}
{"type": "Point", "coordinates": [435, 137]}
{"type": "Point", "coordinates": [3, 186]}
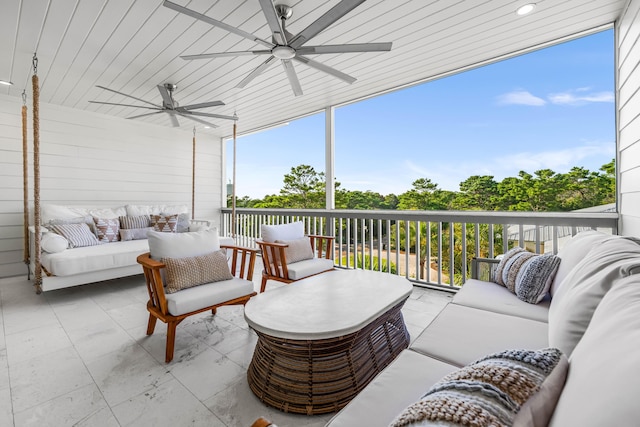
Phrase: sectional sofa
{"type": "Point", "coordinates": [591, 314]}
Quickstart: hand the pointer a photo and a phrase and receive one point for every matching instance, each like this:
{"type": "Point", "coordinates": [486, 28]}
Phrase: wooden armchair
{"type": "Point", "coordinates": [284, 260]}
{"type": "Point", "coordinates": [173, 308]}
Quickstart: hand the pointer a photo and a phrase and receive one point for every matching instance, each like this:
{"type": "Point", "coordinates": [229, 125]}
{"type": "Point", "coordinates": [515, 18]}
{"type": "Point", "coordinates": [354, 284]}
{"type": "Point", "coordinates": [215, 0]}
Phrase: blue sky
{"type": "Point", "coordinates": [553, 108]}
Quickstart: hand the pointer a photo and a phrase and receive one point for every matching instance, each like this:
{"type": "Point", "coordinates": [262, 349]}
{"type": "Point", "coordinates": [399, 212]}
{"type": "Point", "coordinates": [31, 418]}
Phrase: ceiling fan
{"type": "Point", "coordinates": [171, 106]}
{"type": "Point", "coordinates": [285, 46]}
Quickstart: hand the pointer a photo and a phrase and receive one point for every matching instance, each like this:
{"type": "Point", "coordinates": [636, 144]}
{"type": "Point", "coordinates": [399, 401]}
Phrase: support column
{"type": "Point", "coordinates": [330, 175]}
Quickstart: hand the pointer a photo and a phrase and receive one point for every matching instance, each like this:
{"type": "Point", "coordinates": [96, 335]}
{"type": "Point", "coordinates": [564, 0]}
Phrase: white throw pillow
{"type": "Point", "coordinates": [297, 250]}
{"type": "Point", "coordinates": [181, 245]}
{"type": "Point", "coordinates": [53, 243]}
{"type": "Point", "coordinates": [291, 231]}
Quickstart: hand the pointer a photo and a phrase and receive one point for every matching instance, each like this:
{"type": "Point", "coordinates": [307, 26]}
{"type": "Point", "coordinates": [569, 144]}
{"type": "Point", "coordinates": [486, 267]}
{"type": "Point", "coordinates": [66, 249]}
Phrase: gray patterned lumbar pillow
{"type": "Point", "coordinates": [535, 276]}
{"type": "Point", "coordinates": [183, 273]}
{"type": "Point", "coordinates": [491, 391]}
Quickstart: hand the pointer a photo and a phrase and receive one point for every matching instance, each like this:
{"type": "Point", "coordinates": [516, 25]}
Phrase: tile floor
{"type": "Point", "coordinates": [81, 357]}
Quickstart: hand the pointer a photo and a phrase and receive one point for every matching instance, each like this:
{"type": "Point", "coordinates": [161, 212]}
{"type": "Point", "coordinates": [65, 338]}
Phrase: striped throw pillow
{"type": "Point", "coordinates": [129, 222]}
{"type": "Point", "coordinates": [491, 392]}
{"type": "Point", "coordinates": [78, 235]}
{"type": "Point", "coordinates": [533, 281]}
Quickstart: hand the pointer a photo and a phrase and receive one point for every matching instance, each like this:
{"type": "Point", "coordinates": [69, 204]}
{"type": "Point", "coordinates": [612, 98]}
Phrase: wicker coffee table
{"type": "Point", "coordinates": [321, 340]}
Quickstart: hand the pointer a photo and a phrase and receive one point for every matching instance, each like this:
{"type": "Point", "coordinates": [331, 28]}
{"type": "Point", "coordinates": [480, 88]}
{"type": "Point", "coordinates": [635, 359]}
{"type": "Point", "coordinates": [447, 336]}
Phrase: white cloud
{"type": "Point", "coordinates": [570, 98]}
{"type": "Point", "coordinates": [521, 97]}
{"type": "Point", "coordinates": [557, 160]}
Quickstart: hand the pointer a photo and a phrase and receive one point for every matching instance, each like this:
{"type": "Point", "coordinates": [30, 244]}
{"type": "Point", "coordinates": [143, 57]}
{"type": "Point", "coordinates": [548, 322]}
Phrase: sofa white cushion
{"type": "Point", "coordinates": [573, 305]}
{"type": "Point", "coordinates": [460, 335]}
{"type": "Point", "coordinates": [191, 299]}
{"type": "Point", "coordinates": [53, 243]}
{"type": "Point", "coordinates": [291, 231]}
{"type": "Point", "coordinates": [401, 383]}
{"type": "Point", "coordinates": [309, 267]}
{"type": "Point", "coordinates": [602, 387]}
{"type": "Point", "coordinates": [493, 297]}
{"type": "Point", "coordinates": [180, 245]}
{"type": "Point", "coordinates": [94, 258]}
{"type": "Point", "coordinates": [573, 252]}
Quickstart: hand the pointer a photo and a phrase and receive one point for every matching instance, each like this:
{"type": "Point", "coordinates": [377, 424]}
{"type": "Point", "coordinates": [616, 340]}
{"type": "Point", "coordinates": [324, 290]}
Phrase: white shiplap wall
{"type": "Point", "coordinates": [93, 159]}
{"type": "Point", "coordinates": [628, 40]}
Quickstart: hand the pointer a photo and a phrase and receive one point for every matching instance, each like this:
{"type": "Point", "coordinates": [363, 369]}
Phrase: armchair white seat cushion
{"type": "Point", "coordinates": [192, 299]}
{"type": "Point", "coordinates": [309, 267]}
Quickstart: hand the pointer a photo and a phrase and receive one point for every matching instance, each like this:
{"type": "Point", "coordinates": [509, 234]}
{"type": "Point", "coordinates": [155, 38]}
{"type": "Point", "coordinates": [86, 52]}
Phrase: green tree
{"type": "Point", "coordinates": [425, 195]}
{"type": "Point", "coordinates": [477, 192]}
{"type": "Point", "coordinates": [304, 188]}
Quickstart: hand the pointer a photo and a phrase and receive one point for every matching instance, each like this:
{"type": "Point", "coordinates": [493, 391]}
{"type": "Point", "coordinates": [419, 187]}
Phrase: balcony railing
{"type": "Point", "coordinates": [430, 248]}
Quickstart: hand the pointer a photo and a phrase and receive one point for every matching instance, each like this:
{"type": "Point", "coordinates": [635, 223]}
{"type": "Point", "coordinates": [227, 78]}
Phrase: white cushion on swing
{"type": "Point", "coordinates": [94, 258]}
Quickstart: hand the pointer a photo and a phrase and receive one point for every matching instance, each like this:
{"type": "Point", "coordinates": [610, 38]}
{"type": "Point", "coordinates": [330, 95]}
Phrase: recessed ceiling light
{"type": "Point", "coordinates": [526, 9]}
{"type": "Point", "coordinates": [6, 83]}
{"type": "Point", "coordinates": [207, 127]}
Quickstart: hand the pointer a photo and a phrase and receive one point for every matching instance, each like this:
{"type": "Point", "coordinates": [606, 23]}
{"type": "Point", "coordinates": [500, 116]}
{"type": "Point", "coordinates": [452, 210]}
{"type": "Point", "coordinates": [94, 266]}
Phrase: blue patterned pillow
{"type": "Point", "coordinates": [491, 392]}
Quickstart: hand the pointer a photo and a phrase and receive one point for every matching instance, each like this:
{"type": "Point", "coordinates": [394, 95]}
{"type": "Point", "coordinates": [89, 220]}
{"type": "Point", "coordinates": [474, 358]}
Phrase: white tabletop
{"type": "Point", "coordinates": [328, 305]}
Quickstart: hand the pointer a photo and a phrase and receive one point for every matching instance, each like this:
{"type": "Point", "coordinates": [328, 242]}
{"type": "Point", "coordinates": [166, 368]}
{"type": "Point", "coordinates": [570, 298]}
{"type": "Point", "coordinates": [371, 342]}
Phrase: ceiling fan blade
{"type": "Point", "coordinates": [201, 105]}
{"type": "Point", "coordinates": [221, 54]}
{"type": "Point", "coordinates": [216, 23]}
{"type": "Point", "coordinates": [145, 114]}
{"type": "Point", "coordinates": [293, 77]}
{"type": "Point", "coordinates": [195, 119]}
{"type": "Point", "coordinates": [124, 105]}
{"type": "Point", "coordinates": [320, 24]}
{"type": "Point", "coordinates": [344, 48]}
{"type": "Point", "coordinates": [273, 20]}
{"type": "Point", "coordinates": [318, 66]}
{"type": "Point", "coordinates": [174, 119]}
{"type": "Point", "coordinates": [128, 96]}
{"type": "Point", "coordinates": [215, 116]}
{"type": "Point", "coordinates": [255, 73]}
{"type": "Point", "coordinates": [166, 96]}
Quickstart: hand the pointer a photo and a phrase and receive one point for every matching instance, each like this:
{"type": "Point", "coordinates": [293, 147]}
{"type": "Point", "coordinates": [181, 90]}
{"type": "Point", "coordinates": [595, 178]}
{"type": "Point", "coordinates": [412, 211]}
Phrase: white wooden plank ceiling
{"type": "Point", "coordinates": [133, 46]}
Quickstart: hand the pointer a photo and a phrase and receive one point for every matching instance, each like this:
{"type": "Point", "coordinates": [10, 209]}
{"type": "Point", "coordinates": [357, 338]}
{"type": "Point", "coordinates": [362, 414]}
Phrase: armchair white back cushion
{"type": "Point", "coordinates": [182, 245]}
{"type": "Point", "coordinates": [291, 231]}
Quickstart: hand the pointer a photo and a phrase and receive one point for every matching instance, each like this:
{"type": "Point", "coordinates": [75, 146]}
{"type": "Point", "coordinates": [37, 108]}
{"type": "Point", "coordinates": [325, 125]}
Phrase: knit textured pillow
{"type": "Point", "coordinates": [164, 223]}
{"type": "Point", "coordinates": [492, 391]}
{"type": "Point", "coordinates": [140, 221]}
{"type": "Point", "coordinates": [78, 235]}
{"type": "Point", "coordinates": [183, 273]}
{"type": "Point", "coordinates": [107, 229]}
{"type": "Point", "coordinates": [503, 262]}
{"type": "Point", "coordinates": [535, 277]}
